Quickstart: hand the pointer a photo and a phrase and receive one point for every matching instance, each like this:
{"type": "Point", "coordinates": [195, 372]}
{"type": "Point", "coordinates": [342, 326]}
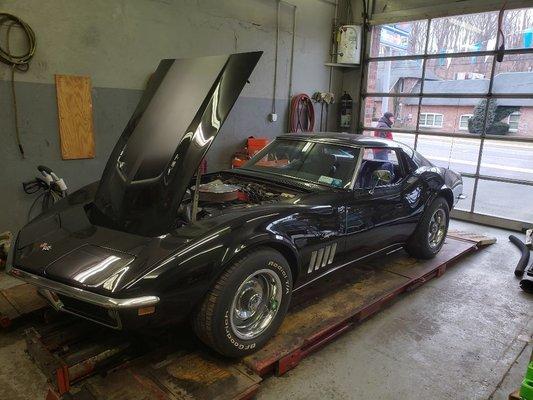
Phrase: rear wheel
{"type": "Point", "coordinates": [247, 304]}
{"type": "Point", "coordinates": [428, 238]}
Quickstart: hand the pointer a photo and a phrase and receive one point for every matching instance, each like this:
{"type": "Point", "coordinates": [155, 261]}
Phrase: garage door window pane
{"type": "Point", "coordinates": [493, 198]}
{"type": "Point", "coordinates": [458, 75]}
{"type": "Point", "coordinates": [514, 74]}
{"type": "Point", "coordinates": [459, 154]}
{"type": "Point", "coordinates": [505, 159]}
{"type": "Point", "coordinates": [399, 76]}
{"type": "Point", "coordinates": [404, 38]}
{"type": "Point", "coordinates": [452, 115]}
{"type": "Point", "coordinates": [518, 28]}
{"type": "Point", "coordinates": [462, 33]}
{"type": "Point", "coordinates": [402, 108]}
{"type": "Point", "coordinates": [510, 117]}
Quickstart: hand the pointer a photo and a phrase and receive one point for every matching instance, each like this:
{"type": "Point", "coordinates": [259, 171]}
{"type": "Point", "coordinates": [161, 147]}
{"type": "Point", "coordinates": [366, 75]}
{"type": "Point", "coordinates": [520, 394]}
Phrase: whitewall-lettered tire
{"type": "Point", "coordinates": [247, 304]}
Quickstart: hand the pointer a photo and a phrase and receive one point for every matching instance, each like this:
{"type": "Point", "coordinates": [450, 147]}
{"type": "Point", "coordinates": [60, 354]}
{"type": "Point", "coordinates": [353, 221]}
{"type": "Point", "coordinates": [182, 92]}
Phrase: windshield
{"type": "Point", "coordinates": [323, 163]}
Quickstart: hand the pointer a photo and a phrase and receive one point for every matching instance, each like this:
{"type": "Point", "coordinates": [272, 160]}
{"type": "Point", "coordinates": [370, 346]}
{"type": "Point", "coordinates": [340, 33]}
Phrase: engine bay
{"type": "Point", "coordinates": [218, 192]}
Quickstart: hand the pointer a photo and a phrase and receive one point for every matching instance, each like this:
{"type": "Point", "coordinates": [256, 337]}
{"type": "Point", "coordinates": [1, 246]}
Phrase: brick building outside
{"type": "Point", "coordinates": [452, 114]}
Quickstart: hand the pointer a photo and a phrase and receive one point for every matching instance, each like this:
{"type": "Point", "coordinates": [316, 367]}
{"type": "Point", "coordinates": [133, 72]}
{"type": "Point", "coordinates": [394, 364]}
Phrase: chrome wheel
{"type": "Point", "coordinates": [437, 228]}
{"type": "Point", "coordinates": [255, 304]}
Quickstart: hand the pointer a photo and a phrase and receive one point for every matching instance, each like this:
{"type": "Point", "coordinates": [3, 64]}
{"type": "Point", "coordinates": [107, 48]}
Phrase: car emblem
{"type": "Point", "coordinates": [45, 246]}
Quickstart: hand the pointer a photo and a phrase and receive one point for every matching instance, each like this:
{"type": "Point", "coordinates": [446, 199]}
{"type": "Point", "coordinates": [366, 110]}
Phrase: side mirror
{"type": "Point", "coordinates": [381, 175]}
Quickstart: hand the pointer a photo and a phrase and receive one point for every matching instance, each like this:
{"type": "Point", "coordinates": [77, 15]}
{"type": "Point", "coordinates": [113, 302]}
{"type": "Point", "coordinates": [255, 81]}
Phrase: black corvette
{"type": "Point", "coordinates": [150, 243]}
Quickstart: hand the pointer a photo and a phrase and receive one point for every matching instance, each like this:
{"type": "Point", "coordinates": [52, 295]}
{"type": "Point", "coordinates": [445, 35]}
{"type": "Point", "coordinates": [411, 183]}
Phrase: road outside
{"type": "Point", "coordinates": [501, 159]}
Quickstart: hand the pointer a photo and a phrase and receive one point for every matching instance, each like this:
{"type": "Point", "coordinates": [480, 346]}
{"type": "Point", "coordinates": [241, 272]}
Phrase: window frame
{"type": "Point", "coordinates": [400, 154]}
{"type": "Point", "coordinates": [460, 118]}
{"type": "Point", "coordinates": [434, 115]}
{"type": "Point", "coordinates": [515, 114]}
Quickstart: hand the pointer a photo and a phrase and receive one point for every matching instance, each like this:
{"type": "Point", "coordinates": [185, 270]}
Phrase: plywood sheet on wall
{"type": "Point", "coordinates": [75, 110]}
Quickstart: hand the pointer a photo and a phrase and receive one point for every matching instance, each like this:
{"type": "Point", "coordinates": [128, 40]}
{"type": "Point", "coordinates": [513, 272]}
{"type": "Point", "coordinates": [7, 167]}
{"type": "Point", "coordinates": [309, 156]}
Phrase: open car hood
{"type": "Point", "coordinates": [179, 115]}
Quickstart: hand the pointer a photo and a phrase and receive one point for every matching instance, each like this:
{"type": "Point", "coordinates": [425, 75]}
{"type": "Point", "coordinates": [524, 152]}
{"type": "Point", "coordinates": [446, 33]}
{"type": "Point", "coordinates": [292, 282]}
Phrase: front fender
{"type": "Point", "coordinates": [276, 241]}
{"type": "Point", "coordinates": [258, 230]}
{"type": "Point", "coordinates": [191, 271]}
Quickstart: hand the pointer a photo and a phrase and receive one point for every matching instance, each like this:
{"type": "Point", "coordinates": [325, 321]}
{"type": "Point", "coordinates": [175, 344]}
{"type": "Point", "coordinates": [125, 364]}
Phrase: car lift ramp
{"type": "Point", "coordinates": [86, 362]}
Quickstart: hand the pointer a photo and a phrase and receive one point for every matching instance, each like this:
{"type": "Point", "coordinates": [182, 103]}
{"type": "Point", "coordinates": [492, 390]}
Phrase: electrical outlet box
{"type": "Point", "coordinates": [272, 117]}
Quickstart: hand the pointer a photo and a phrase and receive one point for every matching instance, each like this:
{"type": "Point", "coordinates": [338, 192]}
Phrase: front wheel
{"type": "Point", "coordinates": [428, 238]}
{"type": "Point", "coordinates": [247, 304]}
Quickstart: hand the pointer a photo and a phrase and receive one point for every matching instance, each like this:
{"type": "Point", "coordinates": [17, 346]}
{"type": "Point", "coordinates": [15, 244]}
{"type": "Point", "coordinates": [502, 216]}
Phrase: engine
{"type": "Point", "coordinates": [221, 192]}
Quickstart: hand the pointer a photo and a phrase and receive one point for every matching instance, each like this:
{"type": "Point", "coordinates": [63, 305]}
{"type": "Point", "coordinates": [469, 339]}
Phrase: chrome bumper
{"type": "Point", "coordinates": [83, 295]}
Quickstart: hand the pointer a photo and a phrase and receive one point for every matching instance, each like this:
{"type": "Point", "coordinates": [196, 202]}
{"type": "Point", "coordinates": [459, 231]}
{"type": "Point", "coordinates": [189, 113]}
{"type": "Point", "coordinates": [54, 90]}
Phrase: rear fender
{"type": "Point", "coordinates": [434, 182]}
{"type": "Point", "coordinates": [448, 194]}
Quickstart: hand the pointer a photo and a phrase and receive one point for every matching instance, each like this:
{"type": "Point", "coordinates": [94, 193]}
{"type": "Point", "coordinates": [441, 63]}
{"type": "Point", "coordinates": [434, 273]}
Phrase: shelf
{"type": "Point", "coordinates": [342, 65]}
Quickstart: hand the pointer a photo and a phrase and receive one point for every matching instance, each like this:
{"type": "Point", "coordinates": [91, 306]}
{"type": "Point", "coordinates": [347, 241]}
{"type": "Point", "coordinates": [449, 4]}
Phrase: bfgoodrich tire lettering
{"type": "Point", "coordinates": [214, 321]}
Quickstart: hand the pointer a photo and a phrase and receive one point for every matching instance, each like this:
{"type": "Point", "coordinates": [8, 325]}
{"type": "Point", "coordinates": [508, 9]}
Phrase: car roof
{"type": "Point", "coordinates": [350, 139]}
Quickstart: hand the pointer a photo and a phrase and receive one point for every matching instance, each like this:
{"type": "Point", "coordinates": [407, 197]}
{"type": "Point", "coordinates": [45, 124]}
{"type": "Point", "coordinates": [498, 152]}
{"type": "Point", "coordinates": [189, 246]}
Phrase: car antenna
{"type": "Point", "coordinates": [196, 193]}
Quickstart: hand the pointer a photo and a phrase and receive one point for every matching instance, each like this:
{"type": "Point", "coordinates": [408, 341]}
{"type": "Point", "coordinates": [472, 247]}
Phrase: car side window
{"type": "Point", "coordinates": [378, 158]}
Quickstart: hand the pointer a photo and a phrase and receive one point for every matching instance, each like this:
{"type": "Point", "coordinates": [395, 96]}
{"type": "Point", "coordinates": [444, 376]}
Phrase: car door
{"type": "Point", "coordinates": [322, 243]}
{"type": "Point", "coordinates": [377, 213]}
{"type": "Point", "coordinates": [323, 239]}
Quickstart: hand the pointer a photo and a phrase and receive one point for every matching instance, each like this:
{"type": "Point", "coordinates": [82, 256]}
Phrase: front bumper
{"type": "Point", "coordinates": [98, 308]}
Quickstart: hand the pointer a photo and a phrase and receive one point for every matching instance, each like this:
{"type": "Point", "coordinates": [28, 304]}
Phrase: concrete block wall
{"type": "Point", "coordinates": [118, 44]}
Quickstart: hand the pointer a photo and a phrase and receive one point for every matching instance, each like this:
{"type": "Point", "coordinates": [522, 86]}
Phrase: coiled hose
{"type": "Point", "coordinates": [19, 62]}
{"type": "Point", "coordinates": [524, 259]}
{"type": "Point", "coordinates": [301, 114]}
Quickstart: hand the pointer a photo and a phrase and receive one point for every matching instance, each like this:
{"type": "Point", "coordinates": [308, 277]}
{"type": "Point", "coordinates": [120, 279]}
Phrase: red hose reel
{"type": "Point", "coordinates": [301, 114]}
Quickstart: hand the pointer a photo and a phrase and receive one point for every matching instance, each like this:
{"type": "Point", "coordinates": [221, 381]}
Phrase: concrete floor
{"type": "Point", "coordinates": [466, 335]}
{"type": "Point", "coordinates": [462, 336]}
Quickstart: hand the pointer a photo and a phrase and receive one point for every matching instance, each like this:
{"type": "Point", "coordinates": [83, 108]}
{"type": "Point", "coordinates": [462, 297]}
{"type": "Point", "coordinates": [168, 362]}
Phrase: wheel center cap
{"type": "Point", "coordinates": [254, 301]}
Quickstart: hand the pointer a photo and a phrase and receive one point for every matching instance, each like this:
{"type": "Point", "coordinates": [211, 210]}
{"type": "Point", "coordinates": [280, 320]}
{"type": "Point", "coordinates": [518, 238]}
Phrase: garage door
{"type": "Point", "coordinates": [460, 106]}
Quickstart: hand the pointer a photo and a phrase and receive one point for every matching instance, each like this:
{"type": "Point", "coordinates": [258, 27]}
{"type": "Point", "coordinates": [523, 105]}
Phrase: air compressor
{"type": "Point", "coordinates": [346, 106]}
